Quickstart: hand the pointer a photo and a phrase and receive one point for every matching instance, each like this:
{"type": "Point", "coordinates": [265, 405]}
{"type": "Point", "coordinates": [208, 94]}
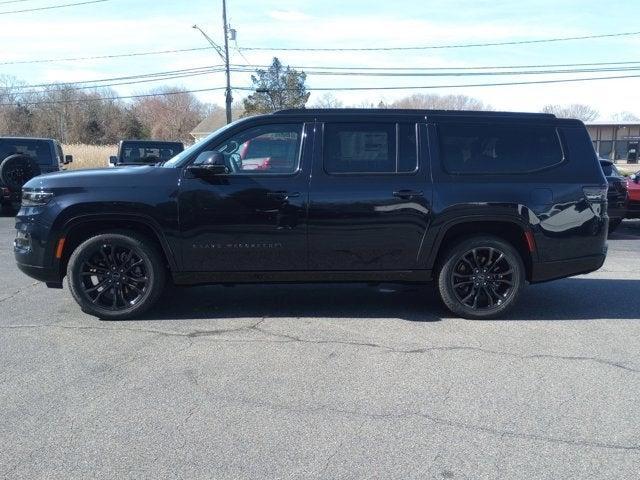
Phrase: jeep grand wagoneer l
{"type": "Point", "coordinates": [478, 203]}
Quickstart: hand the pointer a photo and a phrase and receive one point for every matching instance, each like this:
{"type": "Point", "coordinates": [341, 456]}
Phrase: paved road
{"type": "Point", "coordinates": [324, 381]}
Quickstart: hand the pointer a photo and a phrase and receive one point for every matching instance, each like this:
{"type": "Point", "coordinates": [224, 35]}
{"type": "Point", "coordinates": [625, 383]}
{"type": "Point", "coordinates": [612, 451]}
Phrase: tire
{"type": "Point", "coordinates": [614, 223]}
{"type": "Point", "coordinates": [128, 275]}
{"type": "Point", "coordinates": [494, 276]}
{"type": "Point", "coordinates": [18, 169]}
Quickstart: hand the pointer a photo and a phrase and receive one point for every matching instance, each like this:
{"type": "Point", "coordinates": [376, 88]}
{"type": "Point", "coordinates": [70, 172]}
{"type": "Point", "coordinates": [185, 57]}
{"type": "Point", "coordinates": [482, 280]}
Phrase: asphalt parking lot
{"type": "Point", "coordinates": [324, 381]}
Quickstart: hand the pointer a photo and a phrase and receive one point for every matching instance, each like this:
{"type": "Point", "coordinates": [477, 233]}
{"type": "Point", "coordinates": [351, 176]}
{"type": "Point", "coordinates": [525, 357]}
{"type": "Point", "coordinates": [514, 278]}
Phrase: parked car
{"type": "Point", "coordinates": [144, 152]}
{"type": "Point", "coordinates": [22, 158]}
{"type": "Point", "coordinates": [478, 202]}
{"type": "Point", "coordinates": [618, 196]}
{"type": "Point", "coordinates": [633, 186]}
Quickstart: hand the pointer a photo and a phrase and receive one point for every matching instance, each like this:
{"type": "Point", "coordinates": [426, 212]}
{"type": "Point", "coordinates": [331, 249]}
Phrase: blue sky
{"type": "Point", "coordinates": [119, 26]}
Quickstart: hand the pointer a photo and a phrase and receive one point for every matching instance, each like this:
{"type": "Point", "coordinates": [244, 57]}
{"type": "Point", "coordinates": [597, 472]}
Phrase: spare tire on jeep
{"type": "Point", "coordinates": [18, 169]}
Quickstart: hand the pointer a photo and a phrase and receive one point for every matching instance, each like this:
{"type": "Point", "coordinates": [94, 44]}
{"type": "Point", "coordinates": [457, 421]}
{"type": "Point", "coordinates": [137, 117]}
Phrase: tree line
{"type": "Point", "coordinates": [75, 114]}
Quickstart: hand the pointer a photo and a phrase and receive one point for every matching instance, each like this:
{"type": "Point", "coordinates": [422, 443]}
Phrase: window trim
{"type": "Point", "coordinates": [303, 136]}
{"type": "Point", "coordinates": [558, 135]}
{"type": "Point", "coordinates": [397, 150]}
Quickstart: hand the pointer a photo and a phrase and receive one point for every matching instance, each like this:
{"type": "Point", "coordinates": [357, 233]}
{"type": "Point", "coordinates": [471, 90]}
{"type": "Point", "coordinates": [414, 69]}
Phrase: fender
{"type": "Point", "coordinates": [443, 229]}
{"type": "Point", "coordinates": [78, 220]}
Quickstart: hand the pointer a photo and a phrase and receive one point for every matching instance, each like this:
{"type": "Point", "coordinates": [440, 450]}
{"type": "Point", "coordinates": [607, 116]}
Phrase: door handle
{"type": "Point", "coordinates": [282, 195]}
{"type": "Point", "coordinates": [407, 194]}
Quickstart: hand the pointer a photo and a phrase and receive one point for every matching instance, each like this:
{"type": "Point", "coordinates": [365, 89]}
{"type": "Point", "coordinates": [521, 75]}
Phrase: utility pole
{"type": "Point", "coordinates": [224, 55]}
{"type": "Point", "coordinates": [229, 96]}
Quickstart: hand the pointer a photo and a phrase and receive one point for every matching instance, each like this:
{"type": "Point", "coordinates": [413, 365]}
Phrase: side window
{"type": "Point", "coordinates": [264, 149]}
{"type": "Point", "coordinates": [370, 148]}
{"type": "Point", "coordinates": [498, 149]}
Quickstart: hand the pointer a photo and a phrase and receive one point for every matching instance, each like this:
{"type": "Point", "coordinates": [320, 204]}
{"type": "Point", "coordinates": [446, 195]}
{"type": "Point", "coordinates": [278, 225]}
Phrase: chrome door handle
{"type": "Point", "coordinates": [283, 195]}
{"type": "Point", "coordinates": [407, 194]}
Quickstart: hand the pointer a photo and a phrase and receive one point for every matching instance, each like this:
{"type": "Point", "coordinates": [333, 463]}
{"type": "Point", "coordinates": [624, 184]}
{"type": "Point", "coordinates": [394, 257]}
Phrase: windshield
{"type": "Point", "coordinates": [146, 152]}
{"type": "Point", "coordinates": [37, 149]}
{"type": "Point", "coordinates": [196, 148]}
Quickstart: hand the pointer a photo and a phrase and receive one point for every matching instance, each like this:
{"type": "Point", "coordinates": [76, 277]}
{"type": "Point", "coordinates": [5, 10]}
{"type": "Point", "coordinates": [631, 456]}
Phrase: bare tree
{"type": "Point", "coordinates": [328, 100]}
{"type": "Point", "coordinates": [441, 102]}
{"type": "Point", "coordinates": [578, 111]}
{"type": "Point", "coordinates": [624, 117]}
{"type": "Point", "coordinates": [171, 114]}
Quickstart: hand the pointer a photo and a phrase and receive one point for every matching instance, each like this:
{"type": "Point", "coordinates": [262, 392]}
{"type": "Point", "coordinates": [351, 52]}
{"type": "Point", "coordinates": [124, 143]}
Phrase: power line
{"type": "Point", "coordinates": [435, 47]}
{"type": "Point", "coordinates": [483, 67]}
{"type": "Point", "coordinates": [51, 7]}
{"type": "Point", "coordinates": [119, 97]}
{"type": "Point", "coordinates": [129, 77]}
{"type": "Point", "coordinates": [103, 57]}
{"type": "Point", "coordinates": [462, 74]}
{"type": "Point", "coordinates": [147, 80]}
{"type": "Point", "coordinates": [471, 85]}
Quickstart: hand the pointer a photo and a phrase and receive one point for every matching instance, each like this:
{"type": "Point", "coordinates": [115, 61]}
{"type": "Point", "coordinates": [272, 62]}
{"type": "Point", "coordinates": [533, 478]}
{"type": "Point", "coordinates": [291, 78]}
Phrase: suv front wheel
{"type": "Point", "coordinates": [116, 276]}
{"type": "Point", "coordinates": [481, 277]}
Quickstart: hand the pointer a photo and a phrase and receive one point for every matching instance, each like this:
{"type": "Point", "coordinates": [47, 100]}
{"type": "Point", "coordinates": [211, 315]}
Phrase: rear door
{"type": "Point", "coordinates": [369, 197]}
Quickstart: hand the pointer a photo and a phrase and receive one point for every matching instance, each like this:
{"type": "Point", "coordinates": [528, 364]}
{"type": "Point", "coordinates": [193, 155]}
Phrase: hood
{"type": "Point", "coordinates": [102, 177]}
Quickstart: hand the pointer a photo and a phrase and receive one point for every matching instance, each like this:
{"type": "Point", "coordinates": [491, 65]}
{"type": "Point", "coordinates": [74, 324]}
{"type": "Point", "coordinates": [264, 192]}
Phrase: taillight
{"type": "Point", "coordinates": [596, 194]}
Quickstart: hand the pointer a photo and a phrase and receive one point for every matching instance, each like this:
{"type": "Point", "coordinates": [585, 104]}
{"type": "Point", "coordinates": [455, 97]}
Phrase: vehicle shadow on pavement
{"type": "Point", "coordinates": [570, 299]}
{"type": "Point", "coordinates": [417, 303]}
{"type": "Point", "coordinates": [579, 298]}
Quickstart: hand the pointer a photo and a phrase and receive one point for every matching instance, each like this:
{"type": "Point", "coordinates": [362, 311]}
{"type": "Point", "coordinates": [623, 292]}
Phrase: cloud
{"type": "Point", "coordinates": [288, 15]}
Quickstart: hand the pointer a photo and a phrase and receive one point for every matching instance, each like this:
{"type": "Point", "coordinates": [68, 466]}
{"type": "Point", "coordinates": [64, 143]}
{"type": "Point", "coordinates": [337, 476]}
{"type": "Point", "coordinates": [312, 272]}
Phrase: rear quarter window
{"type": "Point", "coordinates": [498, 149]}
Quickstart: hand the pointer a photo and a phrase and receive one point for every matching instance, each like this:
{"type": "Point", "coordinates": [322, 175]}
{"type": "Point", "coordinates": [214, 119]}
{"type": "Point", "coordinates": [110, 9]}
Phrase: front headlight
{"type": "Point", "coordinates": [35, 198]}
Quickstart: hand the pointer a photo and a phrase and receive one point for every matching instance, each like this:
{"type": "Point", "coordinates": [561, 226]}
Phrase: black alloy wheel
{"type": "Point", "coordinates": [481, 277]}
{"type": "Point", "coordinates": [116, 276]}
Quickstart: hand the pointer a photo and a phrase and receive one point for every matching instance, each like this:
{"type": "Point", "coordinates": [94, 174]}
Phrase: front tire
{"type": "Point", "coordinates": [614, 224]}
{"type": "Point", "coordinates": [481, 277]}
{"type": "Point", "coordinates": [116, 276]}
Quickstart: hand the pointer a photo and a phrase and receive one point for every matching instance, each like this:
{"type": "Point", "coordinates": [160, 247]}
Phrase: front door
{"type": "Point", "coordinates": [254, 217]}
{"type": "Point", "coordinates": [370, 197]}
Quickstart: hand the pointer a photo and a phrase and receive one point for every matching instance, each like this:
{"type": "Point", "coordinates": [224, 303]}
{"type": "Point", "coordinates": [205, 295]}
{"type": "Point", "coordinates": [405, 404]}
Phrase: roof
{"type": "Point", "coordinates": [28, 138]}
{"type": "Point", "coordinates": [614, 124]}
{"type": "Point", "coordinates": [392, 111]}
{"type": "Point", "coordinates": [151, 141]}
{"type": "Point", "coordinates": [213, 122]}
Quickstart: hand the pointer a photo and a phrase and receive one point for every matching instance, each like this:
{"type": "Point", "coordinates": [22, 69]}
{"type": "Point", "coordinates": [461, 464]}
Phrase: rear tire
{"type": "Point", "coordinates": [116, 276]}
{"type": "Point", "coordinates": [481, 277]}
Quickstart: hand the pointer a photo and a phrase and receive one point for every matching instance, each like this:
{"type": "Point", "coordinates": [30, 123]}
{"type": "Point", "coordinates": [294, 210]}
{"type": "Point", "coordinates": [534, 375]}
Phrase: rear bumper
{"type": "Point", "coordinates": [633, 209]}
{"type": "Point", "coordinates": [546, 271]}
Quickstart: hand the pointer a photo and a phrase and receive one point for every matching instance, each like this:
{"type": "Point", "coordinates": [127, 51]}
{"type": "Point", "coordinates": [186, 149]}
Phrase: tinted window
{"type": "Point", "coordinates": [264, 149]}
{"type": "Point", "coordinates": [36, 149]}
{"type": "Point", "coordinates": [137, 152]}
{"type": "Point", "coordinates": [497, 149]}
{"type": "Point", "coordinates": [370, 148]}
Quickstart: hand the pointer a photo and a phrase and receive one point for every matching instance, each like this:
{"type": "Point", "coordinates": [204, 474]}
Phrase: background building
{"type": "Point", "coordinates": [616, 140]}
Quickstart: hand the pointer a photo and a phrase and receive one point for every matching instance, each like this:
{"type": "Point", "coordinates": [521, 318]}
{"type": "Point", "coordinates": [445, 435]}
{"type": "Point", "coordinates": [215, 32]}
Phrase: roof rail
{"type": "Point", "coordinates": [402, 111]}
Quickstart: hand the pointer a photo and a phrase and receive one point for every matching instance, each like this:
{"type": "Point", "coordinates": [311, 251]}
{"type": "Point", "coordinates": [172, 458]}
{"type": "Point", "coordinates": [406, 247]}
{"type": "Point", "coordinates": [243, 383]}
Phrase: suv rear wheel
{"type": "Point", "coordinates": [116, 276]}
{"type": "Point", "coordinates": [481, 277]}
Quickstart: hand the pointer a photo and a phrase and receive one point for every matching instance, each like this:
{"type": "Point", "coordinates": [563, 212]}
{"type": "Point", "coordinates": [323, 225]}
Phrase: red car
{"type": "Point", "coordinates": [633, 185]}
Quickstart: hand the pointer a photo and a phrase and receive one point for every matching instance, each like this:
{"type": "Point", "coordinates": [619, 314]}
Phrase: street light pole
{"type": "Point", "coordinates": [229, 96]}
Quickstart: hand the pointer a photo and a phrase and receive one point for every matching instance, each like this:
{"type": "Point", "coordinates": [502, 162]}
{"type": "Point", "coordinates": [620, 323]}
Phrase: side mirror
{"type": "Point", "coordinates": [113, 159]}
{"type": "Point", "coordinates": [68, 159]}
{"type": "Point", "coordinates": [209, 164]}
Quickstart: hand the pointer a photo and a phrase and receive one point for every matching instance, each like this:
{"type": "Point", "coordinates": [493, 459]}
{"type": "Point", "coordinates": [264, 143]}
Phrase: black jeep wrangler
{"type": "Point", "coordinates": [21, 159]}
{"type": "Point", "coordinates": [479, 203]}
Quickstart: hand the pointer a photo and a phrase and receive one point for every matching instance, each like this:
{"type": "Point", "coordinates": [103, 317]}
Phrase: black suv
{"type": "Point", "coordinates": [140, 152]}
{"type": "Point", "coordinates": [480, 203]}
{"type": "Point", "coordinates": [22, 158]}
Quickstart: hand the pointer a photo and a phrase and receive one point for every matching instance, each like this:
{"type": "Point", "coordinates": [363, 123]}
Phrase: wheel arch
{"type": "Point", "coordinates": [509, 229]}
{"type": "Point", "coordinates": [78, 229]}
